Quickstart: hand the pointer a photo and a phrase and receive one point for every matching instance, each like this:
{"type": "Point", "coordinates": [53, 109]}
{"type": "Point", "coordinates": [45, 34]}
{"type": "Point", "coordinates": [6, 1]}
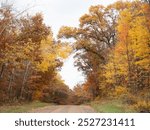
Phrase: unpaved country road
{"type": "Point", "coordinates": [64, 109]}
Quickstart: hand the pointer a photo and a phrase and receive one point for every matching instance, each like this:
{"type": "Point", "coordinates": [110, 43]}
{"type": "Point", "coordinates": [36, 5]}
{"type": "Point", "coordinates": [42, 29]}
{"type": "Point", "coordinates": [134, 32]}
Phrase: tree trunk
{"type": "Point", "coordinates": [129, 64]}
{"type": "Point", "coordinates": [24, 78]}
{"type": "Point", "coordinates": [2, 70]}
{"type": "Point", "coordinates": [10, 83]}
{"type": "Point", "coordinates": [115, 71]}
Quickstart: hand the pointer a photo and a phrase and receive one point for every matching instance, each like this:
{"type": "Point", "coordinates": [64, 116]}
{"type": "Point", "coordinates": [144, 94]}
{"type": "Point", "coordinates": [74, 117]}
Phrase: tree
{"type": "Point", "coordinates": [28, 52]}
{"type": "Point", "coordinates": [95, 36]}
{"type": "Point", "coordinates": [112, 45]}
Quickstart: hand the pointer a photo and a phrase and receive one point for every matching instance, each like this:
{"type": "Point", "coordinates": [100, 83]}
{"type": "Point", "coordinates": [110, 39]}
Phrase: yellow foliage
{"type": "Point", "coordinates": [51, 51]}
{"type": "Point", "coordinates": [119, 90]}
{"type": "Point", "coordinates": [142, 106]}
{"type": "Point", "coordinates": [140, 38]}
{"type": "Point", "coordinates": [63, 50]}
{"type": "Point", "coordinates": [117, 64]}
{"type": "Point", "coordinates": [48, 55]}
{"type": "Point", "coordinates": [109, 72]}
{"type": "Point", "coordinates": [124, 25]}
{"type": "Point", "coordinates": [66, 32]}
{"type": "Point", "coordinates": [37, 95]}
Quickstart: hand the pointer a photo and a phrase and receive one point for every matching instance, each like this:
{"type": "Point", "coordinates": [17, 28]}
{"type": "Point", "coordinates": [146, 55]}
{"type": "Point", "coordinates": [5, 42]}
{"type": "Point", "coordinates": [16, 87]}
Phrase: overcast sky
{"type": "Point", "coordinates": [56, 14]}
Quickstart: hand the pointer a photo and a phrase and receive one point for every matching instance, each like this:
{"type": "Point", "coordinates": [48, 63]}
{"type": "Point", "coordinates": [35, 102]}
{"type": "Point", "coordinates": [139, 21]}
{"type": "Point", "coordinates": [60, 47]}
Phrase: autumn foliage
{"type": "Point", "coordinates": [113, 51]}
{"type": "Point", "coordinates": [29, 58]}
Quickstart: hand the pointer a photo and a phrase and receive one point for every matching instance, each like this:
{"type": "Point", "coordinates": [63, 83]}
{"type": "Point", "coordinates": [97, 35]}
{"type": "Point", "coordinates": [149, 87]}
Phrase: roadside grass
{"type": "Point", "coordinates": [113, 106]}
{"type": "Point", "coordinates": [22, 108]}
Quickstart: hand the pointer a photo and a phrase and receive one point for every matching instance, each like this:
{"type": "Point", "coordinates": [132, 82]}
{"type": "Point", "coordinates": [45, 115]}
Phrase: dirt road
{"type": "Point", "coordinates": [64, 109]}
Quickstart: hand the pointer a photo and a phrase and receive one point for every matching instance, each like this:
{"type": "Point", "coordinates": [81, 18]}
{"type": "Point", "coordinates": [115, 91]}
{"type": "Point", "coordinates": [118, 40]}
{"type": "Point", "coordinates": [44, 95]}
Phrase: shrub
{"type": "Point", "coordinates": [120, 90]}
{"type": "Point", "coordinates": [129, 99]}
{"type": "Point", "coordinates": [142, 106]}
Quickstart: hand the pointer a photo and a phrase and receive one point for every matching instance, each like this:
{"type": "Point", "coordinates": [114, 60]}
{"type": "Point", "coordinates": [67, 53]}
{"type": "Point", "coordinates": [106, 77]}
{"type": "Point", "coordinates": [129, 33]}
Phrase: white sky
{"type": "Point", "coordinates": [62, 12]}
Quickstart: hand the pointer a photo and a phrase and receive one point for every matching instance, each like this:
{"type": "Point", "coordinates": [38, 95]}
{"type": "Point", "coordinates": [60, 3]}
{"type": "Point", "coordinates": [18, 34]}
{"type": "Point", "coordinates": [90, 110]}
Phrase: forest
{"type": "Point", "coordinates": [111, 46]}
